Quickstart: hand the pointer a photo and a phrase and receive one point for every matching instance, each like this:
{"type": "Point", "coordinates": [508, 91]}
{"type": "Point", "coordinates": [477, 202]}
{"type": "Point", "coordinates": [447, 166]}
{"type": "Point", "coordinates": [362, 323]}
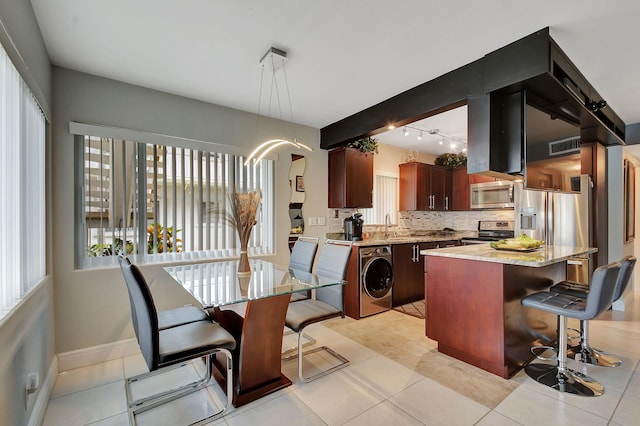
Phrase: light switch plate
{"type": "Point", "coordinates": [313, 221]}
{"type": "Point", "coordinates": [321, 221]}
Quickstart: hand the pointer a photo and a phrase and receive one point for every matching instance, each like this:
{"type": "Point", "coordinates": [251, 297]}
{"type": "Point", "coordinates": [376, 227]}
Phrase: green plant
{"type": "Point", "coordinates": [160, 232]}
{"type": "Point", "coordinates": [451, 160]}
{"type": "Point", "coordinates": [367, 144]}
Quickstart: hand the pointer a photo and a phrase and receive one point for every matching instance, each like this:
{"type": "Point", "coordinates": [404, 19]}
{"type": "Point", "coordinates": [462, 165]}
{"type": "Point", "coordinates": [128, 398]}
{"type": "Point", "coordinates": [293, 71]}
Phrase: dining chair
{"type": "Point", "coordinates": [328, 303]}
{"type": "Point", "coordinates": [176, 316]}
{"type": "Point", "coordinates": [302, 256]}
{"type": "Point", "coordinates": [172, 347]}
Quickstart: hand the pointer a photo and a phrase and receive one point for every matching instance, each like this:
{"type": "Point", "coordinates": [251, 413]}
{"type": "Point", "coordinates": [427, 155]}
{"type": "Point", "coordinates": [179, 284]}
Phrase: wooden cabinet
{"type": "Point", "coordinates": [408, 270]}
{"type": "Point", "coordinates": [350, 178]}
{"type": "Point", "coordinates": [461, 181]}
{"type": "Point", "coordinates": [424, 187]}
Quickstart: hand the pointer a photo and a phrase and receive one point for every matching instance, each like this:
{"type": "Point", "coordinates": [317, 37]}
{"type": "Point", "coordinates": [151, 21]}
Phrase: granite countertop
{"type": "Point", "coordinates": [408, 239]}
{"type": "Point", "coordinates": [543, 256]}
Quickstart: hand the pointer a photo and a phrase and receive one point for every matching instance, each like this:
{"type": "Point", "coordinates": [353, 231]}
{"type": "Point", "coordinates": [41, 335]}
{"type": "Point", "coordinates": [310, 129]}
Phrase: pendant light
{"type": "Point", "coordinates": [274, 60]}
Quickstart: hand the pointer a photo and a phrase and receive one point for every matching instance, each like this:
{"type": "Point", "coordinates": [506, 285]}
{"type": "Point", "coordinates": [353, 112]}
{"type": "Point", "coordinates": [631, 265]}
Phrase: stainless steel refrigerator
{"type": "Point", "coordinates": [558, 218]}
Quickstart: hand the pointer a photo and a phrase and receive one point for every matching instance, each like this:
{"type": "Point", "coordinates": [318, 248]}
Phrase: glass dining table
{"type": "Point", "coordinates": [257, 327]}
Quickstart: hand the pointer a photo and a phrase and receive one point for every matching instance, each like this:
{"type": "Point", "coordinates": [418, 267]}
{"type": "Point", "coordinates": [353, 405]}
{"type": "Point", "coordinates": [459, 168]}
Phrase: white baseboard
{"type": "Point", "coordinates": [44, 394]}
{"type": "Point", "coordinates": [96, 354]}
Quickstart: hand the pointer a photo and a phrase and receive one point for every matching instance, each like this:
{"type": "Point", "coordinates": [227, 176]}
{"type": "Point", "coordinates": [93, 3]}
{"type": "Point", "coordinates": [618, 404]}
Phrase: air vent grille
{"type": "Point", "coordinates": [564, 146]}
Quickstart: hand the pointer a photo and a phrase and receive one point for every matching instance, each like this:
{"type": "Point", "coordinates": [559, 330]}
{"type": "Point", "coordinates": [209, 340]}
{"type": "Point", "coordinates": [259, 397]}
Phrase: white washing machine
{"type": "Point", "coordinates": [376, 279]}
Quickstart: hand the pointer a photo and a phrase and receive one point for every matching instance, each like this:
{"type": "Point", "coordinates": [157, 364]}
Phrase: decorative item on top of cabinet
{"type": "Point", "coordinates": [350, 178]}
{"type": "Point", "coordinates": [424, 187]}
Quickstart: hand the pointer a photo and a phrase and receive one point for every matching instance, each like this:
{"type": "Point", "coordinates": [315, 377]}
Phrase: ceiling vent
{"type": "Point", "coordinates": [564, 146]}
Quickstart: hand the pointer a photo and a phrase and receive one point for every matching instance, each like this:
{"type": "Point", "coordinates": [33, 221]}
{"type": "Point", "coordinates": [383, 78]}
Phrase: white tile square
{"type": "Point", "coordinates": [496, 419]}
{"type": "Point", "coordinates": [121, 419]}
{"type": "Point", "coordinates": [337, 397]}
{"type": "Point", "coordinates": [184, 410]}
{"type": "Point", "coordinates": [529, 407]}
{"type": "Point", "coordinates": [86, 406]}
{"type": "Point", "coordinates": [286, 409]}
{"type": "Point", "coordinates": [384, 413]}
{"type": "Point", "coordinates": [434, 404]}
{"type": "Point", "coordinates": [79, 379]}
{"type": "Point", "coordinates": [384, 376]}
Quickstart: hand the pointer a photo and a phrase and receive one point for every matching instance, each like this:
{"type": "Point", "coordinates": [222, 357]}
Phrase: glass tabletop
{"type": "Point", "coordinates": [218, 283]}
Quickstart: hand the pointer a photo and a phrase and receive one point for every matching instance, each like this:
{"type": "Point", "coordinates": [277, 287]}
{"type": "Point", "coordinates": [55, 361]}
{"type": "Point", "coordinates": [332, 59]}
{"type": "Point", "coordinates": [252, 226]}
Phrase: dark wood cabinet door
{"type": "Point", "coordinates": [414, 186]}
{"type": "Point", "coordinates": [408, 284]}
{"type": "Point", "coordinates": [350, 179]}
{"type": "Point", "coordinates": [439, 185]}
{"type": "Point", "coordinates": [461, 191]}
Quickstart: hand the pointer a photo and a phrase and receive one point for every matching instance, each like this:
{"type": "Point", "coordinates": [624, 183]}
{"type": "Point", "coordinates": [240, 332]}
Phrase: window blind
{"type": "Point", "coordinates": [22, 188]}
{"type": "Point", "coordinates": [163, 202]}
{"type": "Point", "coordinates": [385, 201]}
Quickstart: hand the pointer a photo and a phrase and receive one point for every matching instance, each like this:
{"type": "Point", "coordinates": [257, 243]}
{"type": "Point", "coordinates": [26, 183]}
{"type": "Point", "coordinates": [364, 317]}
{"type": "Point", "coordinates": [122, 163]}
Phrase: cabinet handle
{"type": "Point", "coordinates": [446, 203]}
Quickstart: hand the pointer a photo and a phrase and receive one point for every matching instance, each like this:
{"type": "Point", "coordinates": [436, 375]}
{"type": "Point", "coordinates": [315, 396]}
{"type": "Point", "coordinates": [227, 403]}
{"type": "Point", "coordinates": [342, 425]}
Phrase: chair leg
{"type": "Point", "coordinates": [561, 378]}
{"type": "Point", "coordinates": [343, 361]}
{"type": "Point", "coordinates": [145, 404]}
{"type": "Point", "coordinates": [291, 353]}
{"type": "Point", "coordinates": [589, 355]}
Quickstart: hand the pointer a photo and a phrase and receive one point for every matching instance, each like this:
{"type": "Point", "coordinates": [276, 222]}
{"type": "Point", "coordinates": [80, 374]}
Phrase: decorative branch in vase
{"type": "Point", "coordinates": [242, 215]}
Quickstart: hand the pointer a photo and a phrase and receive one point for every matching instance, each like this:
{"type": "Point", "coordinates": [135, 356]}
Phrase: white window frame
{"type": "Point", "coordinates": [197, 240]}
{"type": "Point", "coordinates": [23, 224]}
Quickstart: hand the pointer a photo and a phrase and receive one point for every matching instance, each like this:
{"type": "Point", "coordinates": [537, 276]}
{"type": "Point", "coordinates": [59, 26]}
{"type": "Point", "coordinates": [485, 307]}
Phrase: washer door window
{"type": "Point", "coordinates": [377, 277]}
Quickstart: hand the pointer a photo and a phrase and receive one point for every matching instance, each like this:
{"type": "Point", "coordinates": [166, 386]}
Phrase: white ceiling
{"type": "Point", "coordinates": [343, 56]}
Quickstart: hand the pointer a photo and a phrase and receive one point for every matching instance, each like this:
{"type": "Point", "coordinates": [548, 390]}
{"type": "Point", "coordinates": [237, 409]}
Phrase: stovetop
{"type": "Point", "coordinates": [493, 230]}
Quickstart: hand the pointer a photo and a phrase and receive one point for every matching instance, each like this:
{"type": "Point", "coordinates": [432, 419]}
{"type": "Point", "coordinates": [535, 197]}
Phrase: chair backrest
{"type": "Point", "coordinates": [332, 263]}
{"type": "Point", "coordinates": [303, 253]}
{"type": "Point", "coordinates": [601, 289]}
{"type": "Point", "coordinates": [627, 264]}
{"type": "Point", "coordinates": [143, 312]}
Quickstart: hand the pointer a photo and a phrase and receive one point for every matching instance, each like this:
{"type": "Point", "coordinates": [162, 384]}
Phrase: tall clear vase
{"type": "Point", "coordinates": [243, 264]}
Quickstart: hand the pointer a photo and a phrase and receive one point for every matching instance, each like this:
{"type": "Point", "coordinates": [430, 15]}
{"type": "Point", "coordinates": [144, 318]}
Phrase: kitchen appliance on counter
{"type": "Point", "coordinates": [376, 279]}
{"type": "Point", "coordinates": [558, 218]}
{"type": "Point", "coordinates": [492, 195]}
{"type": "Point", "coordinates": [353, 227]}
{"type": "Point", "coordinates": [491, 230]}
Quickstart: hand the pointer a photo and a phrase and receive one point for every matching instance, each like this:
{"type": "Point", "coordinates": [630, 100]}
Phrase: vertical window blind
{"type": "Point", "coordinates": [385, 201]}
{"type": "Point", "coordinates": [22, 188]}
{"type": "Point", "coordinates": [161, 202]}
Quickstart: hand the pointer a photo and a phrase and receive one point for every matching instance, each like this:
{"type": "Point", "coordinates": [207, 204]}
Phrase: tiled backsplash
{"type": "Point", "coordinates": [415, 221]}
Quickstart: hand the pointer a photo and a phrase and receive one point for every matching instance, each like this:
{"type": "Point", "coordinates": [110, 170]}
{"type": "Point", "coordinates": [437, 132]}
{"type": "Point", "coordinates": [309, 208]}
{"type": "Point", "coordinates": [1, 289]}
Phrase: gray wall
{"type": "Point", "coordinates": [92, 307]}
{"type": "Point", "coordinates": [27, 334]}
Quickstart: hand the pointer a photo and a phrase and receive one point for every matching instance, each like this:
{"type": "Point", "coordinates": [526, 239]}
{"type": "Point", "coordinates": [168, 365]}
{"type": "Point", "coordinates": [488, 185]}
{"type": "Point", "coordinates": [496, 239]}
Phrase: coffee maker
{"type": "Point", "coordinates": [353, 227]}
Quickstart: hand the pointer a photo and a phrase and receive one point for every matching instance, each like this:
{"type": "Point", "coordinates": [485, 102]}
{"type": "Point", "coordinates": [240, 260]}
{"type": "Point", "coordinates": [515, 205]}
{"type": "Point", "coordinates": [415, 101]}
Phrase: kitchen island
{"type": "Point", "coordinates": [473, 305]}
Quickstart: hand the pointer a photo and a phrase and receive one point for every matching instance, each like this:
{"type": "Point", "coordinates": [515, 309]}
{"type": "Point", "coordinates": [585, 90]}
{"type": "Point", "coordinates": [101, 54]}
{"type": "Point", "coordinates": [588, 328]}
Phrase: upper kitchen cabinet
{"type": "Point", "coordinates": [350, 178]}
{"type": "Point", "coordinates": [424, 187]}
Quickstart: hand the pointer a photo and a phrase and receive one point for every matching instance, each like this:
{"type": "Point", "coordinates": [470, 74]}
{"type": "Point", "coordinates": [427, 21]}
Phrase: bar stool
{"type": "Point", "coordinates": [584, 352]}
{"type": "Point", "coordinates": [600, 297]}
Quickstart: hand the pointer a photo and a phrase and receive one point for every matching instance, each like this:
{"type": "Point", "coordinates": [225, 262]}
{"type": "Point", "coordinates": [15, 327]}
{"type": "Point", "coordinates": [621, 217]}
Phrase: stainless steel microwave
{"type": "Point", "coordinates": [492, 195]}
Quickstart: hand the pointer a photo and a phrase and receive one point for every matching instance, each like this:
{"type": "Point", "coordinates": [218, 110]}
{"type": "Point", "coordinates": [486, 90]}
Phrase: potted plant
{"type": "Point", "coordinates": [451, 160]}
{"type": "Point", "coordinates": [365, 145]}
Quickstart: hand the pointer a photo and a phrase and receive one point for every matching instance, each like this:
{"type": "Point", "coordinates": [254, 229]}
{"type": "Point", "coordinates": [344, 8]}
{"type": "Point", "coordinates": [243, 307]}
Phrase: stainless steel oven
{"type": "Point", "coordinates": [492, 195]}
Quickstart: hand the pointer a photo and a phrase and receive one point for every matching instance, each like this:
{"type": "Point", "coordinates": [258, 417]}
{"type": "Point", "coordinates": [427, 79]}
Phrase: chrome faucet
{"type": "Point", "coordinates": [387, 223]}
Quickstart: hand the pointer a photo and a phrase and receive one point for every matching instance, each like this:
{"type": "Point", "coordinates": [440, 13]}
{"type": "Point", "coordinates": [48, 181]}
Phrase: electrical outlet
{"type": "Point", "coordinates": [313, 221]}
{"type": "Point", "coordinates": [321, 221]}
{"type": "Point", "coordinates": [31, 387]}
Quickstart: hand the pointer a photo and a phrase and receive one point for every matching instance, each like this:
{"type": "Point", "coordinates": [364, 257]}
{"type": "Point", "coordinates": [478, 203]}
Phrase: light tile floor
{"type": "Point", "coordinates": [396, 377]}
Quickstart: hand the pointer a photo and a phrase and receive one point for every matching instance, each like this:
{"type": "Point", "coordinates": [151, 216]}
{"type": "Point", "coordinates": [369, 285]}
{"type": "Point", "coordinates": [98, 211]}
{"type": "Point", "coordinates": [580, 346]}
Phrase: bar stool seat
{"type": "Point", "coordinates": [600, 297]}
{"type": "Point", "coordinates": [584, 352]}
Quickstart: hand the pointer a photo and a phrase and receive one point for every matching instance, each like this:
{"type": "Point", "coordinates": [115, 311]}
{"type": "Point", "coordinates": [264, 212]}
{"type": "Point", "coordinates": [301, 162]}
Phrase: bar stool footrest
{"type": "Point", "coordinates": [568, 381]}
